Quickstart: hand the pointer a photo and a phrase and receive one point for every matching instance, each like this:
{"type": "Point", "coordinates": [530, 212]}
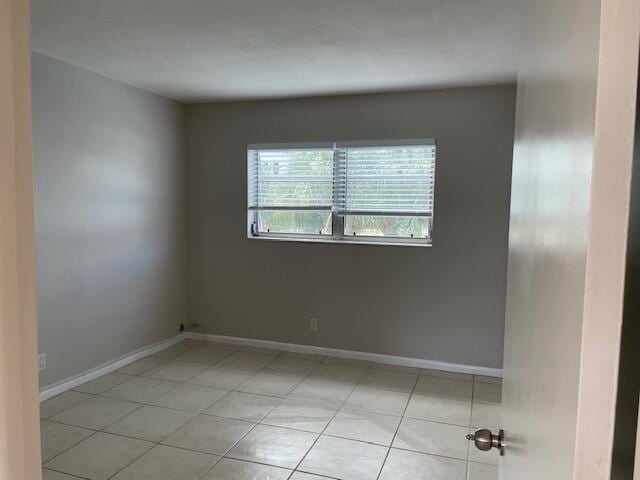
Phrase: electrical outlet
{"type": "Point", "coordinates": [42, 362]}
{"type": "Point", "coordinates": [313, 325]}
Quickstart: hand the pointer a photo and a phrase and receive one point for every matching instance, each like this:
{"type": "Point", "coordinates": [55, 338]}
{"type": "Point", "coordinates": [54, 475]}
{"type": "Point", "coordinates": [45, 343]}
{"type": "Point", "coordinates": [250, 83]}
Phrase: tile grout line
{"type": "Point", "coordinates": [157, 443]}
{"type": "Point", "coordinates": [100, 394]}
{"type": "Point", "coordinates": [93, 434]}
{"type": "Point", "coordinates": [473, 395]}
{"type": "Point", "coordinates": [279, 355]}
{"type": "Point", "coordinates": [220, 457]}
{"type": "Point", "coordinates": [393, 439]}
{"type": "Point", "coordinates": [283, 399]}
{"type": "Point", "coordinates": [307, 376]}
{"type": "Point", "coordinates": [256, 424]}
{"type": "Point", "coordinates": [333, 417]}
{"type": "Point", "coordinates": [133, 461]}
{"type": "Point", "coordinates": [178, 384]}
{"type": "Point", "coordinates": [102, 430]}
{"type": "Point", "coordinates": [66, 450]}
{"type": "Point", "coordinates": [65, 473]}
{"type": "Point", "coordinates": [241, 437]}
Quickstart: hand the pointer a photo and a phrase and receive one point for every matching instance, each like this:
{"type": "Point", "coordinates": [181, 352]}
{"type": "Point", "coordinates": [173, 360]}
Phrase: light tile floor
{"type": "Point", "coordinates": [211, 411]}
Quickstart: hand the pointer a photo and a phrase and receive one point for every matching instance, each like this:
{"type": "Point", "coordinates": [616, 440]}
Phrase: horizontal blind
{"type": "Point", "coordinates": [379, 180]}
{"type": "Point", "coordinates": [291, 179]}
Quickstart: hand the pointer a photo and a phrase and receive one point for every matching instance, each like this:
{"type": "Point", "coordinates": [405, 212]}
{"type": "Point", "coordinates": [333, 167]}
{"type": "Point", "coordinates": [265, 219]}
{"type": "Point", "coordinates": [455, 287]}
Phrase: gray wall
{"type": "Point", "coordinates": [109, 177]}
{"type": "Point", "coordinates": [441, 303]}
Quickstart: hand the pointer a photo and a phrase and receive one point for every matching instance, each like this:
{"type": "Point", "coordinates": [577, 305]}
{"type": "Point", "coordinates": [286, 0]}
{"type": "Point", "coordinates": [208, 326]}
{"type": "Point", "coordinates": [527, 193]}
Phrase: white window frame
{"type": "Point", "coordinates": [337, 218]}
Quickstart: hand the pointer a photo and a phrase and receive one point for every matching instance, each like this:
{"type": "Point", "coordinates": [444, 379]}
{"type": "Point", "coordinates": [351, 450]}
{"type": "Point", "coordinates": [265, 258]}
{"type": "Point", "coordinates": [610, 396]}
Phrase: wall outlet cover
{"type": "Point", "coordinates": [313, 325]}
{"type": "Point", "coordinates": [42, 362]}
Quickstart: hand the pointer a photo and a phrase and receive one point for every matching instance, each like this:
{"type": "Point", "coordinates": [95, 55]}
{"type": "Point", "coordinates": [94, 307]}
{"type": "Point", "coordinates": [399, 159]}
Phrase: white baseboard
{"type": "Point", "coordinates": [88, 375]}
{"type": "Point", "coordinates": [335, 352]}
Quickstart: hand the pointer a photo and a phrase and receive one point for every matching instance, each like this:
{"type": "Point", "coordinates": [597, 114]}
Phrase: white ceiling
{"type": "Point", "coordinates": [198, 50]}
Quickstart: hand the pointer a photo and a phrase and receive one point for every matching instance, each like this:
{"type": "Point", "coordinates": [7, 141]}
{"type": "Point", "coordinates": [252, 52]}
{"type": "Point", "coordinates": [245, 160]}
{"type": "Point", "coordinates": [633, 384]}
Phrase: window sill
{"type": "Point", "coordinates": [345, 241]}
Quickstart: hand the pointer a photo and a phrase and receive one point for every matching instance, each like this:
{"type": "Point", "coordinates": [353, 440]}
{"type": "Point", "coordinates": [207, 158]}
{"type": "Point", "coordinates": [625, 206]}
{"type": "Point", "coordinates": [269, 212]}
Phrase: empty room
{"type": "Point", "coordinates": [307, 240]}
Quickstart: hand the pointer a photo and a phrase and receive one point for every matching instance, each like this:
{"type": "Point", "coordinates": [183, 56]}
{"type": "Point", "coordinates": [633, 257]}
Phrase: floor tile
{"type": "Point", "coordinates": [140, 389]}
{"type": "Point", "coordinates": [314, 357]}
{"type": "Point", "coordinates": [306, 476]}
{"type": "Point", "coordinates": [440, 409]}
{"type": "Point", "coordinates": [403, 465]}
{"type": "Point", "coordinates": [243, 406]}
{"type": "Point", "coordinates": [274, 446]}
{"type": "Point", "coordinates": [168, 463]}
{"type": "Point", "coordinates": [245, 361]}
{"type": "Point", "coordinates": [96, 413]}
{"type": "Point", "coordinates": [270, 384]}
{"type": "Point", "coordinates": [347, 459]}
{"type": "Point", "coordinates": [192, 342]}
{"type": "Point", "coordinates": [342, 373]}
{"type": "Point", "coordinates": [348, 361]}
{"type": "Point", "coordinates": [62, 402]}
{"type": "Point", "coordinates": [301, 415]}
{"type": "Point", "coordinates": [394, 368]}
{"type": "Point", "coordinates": [485, 379]}
{"type": "Point", "coordinates": [433, 438]}
{"type": "Point", "coordinates": [99, 456]}
{"type": "Point", "coordinates": [172, 351]}
{"type": "Point", "coordinates": [224, 378]}
{"type": "Point", "coordinates": [55, 438]}
{"type": "Point", "coordinates": [487, 392]}
{"type": "Point", "coordinates": [209, 434]}
{"type": "Point", "coordinates": [444, 374]}
{"type": "Point", "coordinates": [273, 352]}
{"type": "Point", "coordinates": [320, 390]}
{"type": "Point", "coordinates": [190, 398]}
{"type": "Point", "coordinates": [203, 355]}
{"type": "Point", "coordinates": [51, 475]}
{"type": "Point", "coordinates": [390, 380]}
{"type": "Point", "coordinates": [365, 426]}
{"type": "Point", "coordinates": [230, 469]}
{"type": "Point", "coordinates": [140, 366]}
{"type": "Point", "coordinates": [378, 400]}
{"type": "Point", "coordinates": [479, 471]}
{"type": "Point", "coordinates": [486, 407]}
{"type": "Point", "coordinates": [486, 415]}
{"type": "Point", "coordinates": [291, 366]}
{"type": "Point", "coordinates": [103, 383]}
{"type": "Point", "coordinates": [150, 423]}
{"type": "Point", "coordinates": [233, 347]}
{"type": "Point", "coordinates": [175, 371]}
{"type": "Point", "coordinates": [356, 407]}
{"type": "Point", "coordinates": [444, 387]}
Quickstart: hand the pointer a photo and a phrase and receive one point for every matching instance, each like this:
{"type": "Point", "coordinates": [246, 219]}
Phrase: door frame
{"type": "Point", "coordinates": [607, 238]}
{"type": "Point", "coordinates": [19, 416]}
{"type": "Point", "coordinates": [625, 444]}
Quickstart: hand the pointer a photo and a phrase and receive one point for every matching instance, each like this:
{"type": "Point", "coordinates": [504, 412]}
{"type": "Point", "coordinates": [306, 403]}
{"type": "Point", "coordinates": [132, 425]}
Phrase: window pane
{"type": "Point", "coordinates": [386, 226]}
{"type": "Point", "coordinates": [295, 178]}
{"type": "Point", "coordinates": [288, 221]}
{"type": "Point", "coordinates": [390, 179]}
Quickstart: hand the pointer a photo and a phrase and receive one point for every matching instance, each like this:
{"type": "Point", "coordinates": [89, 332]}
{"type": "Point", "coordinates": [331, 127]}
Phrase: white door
{"type": "Point", "coordinates": [570, 194]}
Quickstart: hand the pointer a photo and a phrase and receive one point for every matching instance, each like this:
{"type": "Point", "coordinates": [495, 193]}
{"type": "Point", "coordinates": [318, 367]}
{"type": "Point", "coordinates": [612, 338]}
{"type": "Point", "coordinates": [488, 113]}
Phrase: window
{"type": "Point", "coordinates": [364, 192]}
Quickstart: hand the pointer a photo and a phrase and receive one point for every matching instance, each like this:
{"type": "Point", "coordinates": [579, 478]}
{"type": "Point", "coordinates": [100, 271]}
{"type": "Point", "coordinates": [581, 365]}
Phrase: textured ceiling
{"type": "Point", "coordinates": [199, 50]}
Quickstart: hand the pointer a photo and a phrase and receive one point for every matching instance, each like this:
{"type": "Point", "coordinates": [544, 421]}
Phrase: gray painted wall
{"type": "Point", "coordinates": [109, 177]}
{"type": "Point", "coordinates": [441, 303]}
